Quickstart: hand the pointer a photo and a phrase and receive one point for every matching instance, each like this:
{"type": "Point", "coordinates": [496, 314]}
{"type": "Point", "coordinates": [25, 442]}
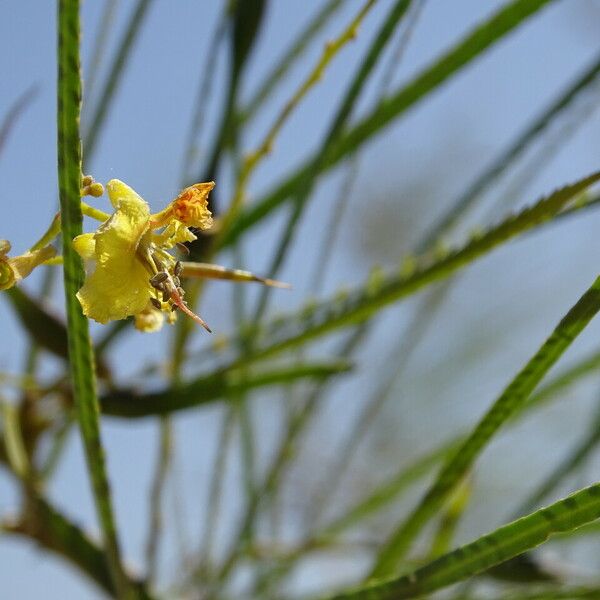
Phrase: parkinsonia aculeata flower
{"type": "Point", "coordinates": [130, 270]}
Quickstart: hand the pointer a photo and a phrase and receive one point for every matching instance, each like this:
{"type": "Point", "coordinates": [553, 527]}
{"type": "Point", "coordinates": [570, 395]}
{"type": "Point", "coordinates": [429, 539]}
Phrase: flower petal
{"type": "Point", "coordinates": [115, 290]}
{"type": "Point", "coordinates": [191, 206]}
{"type": "Point", "coordinates": [119, 192]}
{"type": "Point", "coordinates": [25, 263]}
{"type": "Point", "coordinates": [119, 286]}
{"type": "Point", "coordinates": [85, 246]}
{"type": "Point", "coordinates": [149, 320]}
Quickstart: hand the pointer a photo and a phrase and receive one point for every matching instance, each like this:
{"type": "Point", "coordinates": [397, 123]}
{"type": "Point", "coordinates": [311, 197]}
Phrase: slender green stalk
{"type": "Point", "coordinates": [44, 328]}
{"type": "Point", "coordinates": [500, 165]}
{"type": "Point", "coordinates": [203, 95]}
{"type": "Point", "coordinates": [81, 358]}
{"type": "Point", "coordinates": [288, 58]}
{"type": "Point", "coordinates": [502, 544]}
{"type": "Point", "coordinates": [264, 148]}
{"type": "Point", "coordinates": [14, 112]}
{"type": "Point", "coordinates": [44, 524]}
{"type": "Point", "coordinates": [469, 48]}
{"type": "Point", "coordinates": [99, 47]}
{"type": "Point", "coordinates": [130, 404]}
{"type": "Point", "coordinates": [163, 461]}
{"type": "Point", "coordinates": [399, 358]}
{"type": "Point", "coordinates": [367, 300]}
{"type": "Point", "coordinates": [283, 455]}
{"type": "Point", "coordinates": [510, 401]}
{"type": "Point", "coordinates": [114, 77]}
{"type": "Point", "coordinates": [214, 494]}
{"type": "Point", "coordinates": [380, 42]}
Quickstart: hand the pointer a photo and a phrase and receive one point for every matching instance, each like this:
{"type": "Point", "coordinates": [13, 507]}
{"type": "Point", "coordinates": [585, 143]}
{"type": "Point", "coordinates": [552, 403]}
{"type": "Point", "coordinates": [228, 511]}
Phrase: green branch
{"type": "Point", "coordinates": [80, 349]}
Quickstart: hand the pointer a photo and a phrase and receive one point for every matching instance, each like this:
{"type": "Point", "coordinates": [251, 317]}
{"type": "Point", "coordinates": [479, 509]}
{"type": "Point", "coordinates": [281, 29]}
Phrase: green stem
{"type": "Point", "coordinates": [80, 350]}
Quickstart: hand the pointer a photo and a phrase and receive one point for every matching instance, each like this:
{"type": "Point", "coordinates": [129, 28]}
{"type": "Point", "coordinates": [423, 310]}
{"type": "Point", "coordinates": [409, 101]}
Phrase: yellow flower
{"type": "Point", "coordinates": [12, 270]}
{"type": "Point", "coordinates": [129, 269]}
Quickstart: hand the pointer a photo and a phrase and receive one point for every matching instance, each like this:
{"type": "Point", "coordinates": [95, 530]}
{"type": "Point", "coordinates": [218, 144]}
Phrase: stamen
{"type": "Point", "coordinates": [158, 279]}
{"type": "Point", "coordinates": [156, 303]}
{"type": "Point", "coordinates": [178, 269]}
{"type": "Point", "coordinates": [159, 264]}
{"type": "Point", "coordinates": [178, 301]}
{"type": "Point", "coordinates": [183, 248]}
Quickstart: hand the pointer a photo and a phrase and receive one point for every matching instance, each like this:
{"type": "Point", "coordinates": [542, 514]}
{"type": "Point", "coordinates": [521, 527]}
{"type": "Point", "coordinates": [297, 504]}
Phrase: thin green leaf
{"type": "Point", "coordinates": [450, 519]}
{"type": "Point", "coordinates": [247, 18]}
{"type": "Point", "coordinates": [523, 568]}
{"type": "Point", "coordinates": [286, 61]}
{"type": "Point", "coordinates": [387, 492]}
{"type": "Point", "coordinates": [81, 359]}
{"type": "Point", "coordinates": [132, 405]}
{"type": "Point", "coordinates": [502, 544]}
{"type": "Point", "coordinates": [276, 470]}
{"type": "Point", "coordinates": [583, 368]}
{"type": "Point", "coordinates": [469, 48]}
{"type": "Point", "coordinates": [565, 101]}
{"type": "Point", "coordinates": [114, 77]}
{"type": "Point", "coordinates": [101, 37]}
{"type": "Point", "coordinates": [203, 95]}
{"type": "Point", "coordinates": [510, 402]}
{"type": "Point", "coordinates": [215, 505]}
{"type": "Point", "coordinates": [163, 462]}
{"type": "Point", "coordinates": [380, 42]}
{"type": "Point", "coordinates": [13, 440]}
{"type": "Point", "coordinates": [357, 306]}
{"type": "Point", "coordinates": [14, 112]}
